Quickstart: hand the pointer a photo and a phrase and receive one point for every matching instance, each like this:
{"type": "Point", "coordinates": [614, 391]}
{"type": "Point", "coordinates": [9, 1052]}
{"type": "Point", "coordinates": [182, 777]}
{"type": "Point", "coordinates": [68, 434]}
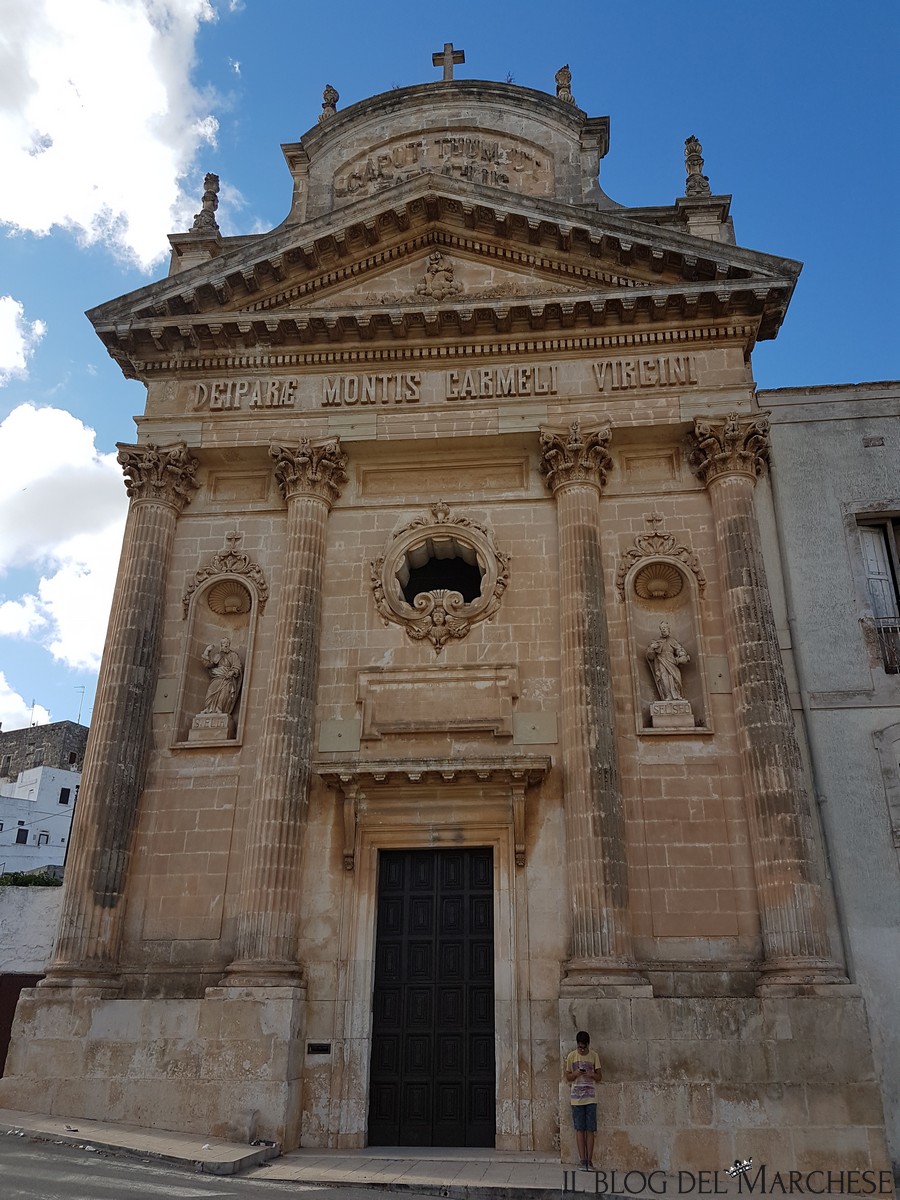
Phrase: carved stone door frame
{"type": "Point", "coordinates": [426, 815]}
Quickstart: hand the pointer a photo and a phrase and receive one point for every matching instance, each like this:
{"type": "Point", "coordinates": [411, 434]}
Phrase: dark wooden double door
{"type": "Point", "coordinates": [432, 1070]}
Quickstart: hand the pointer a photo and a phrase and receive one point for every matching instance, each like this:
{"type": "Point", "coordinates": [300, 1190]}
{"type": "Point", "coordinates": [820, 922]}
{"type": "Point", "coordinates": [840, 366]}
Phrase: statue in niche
{"type": "Point", "coordinates": [225, 674]}
{"type": "Point", "coordinates": [666, 657]}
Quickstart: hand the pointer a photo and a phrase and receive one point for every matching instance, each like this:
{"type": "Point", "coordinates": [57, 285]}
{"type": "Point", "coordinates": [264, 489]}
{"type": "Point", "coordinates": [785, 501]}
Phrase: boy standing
{"type": "Point", "coordinates": [582, 1071]}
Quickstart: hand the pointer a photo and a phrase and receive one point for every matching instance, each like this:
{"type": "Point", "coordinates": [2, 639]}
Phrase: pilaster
{"type": "Point", "coordinates": [310, 478]}
{"type": "Point", "coordinates": [159, 483]}
{"type": "Point", "coordinates": [728, 456]}
{"type": "Point", "coordinates": [575, 466]}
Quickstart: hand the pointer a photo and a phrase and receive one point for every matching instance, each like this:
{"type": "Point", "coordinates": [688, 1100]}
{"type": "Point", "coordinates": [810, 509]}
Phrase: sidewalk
{"type": "Point", "coordinates": [465, 1174]}
{"type": "Point", "coordinates": [210, 1155]}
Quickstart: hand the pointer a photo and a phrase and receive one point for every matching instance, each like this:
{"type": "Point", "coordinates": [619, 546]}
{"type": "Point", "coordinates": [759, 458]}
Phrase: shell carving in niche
{"type": "Point", "coordinates": [658, 581]}
{"type": "Point", "coordinates": [228, 597]}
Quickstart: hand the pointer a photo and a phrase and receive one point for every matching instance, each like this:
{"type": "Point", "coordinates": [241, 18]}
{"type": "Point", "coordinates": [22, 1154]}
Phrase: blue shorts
{"type": "Point", "coordinates": [584, 1118]}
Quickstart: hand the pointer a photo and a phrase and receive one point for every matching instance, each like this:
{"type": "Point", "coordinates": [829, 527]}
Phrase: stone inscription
{"type": "Point", "coordinates": [660, 370]}
{"type": "Point", "coordinates": [498, 162]}
{"type": "Point", "coordinates": [392, 388]}
{"type": "Point", "coordinates": [401, 388]}
{"type": "Point", "coordinates": [501, 381]}
{"type": "Point", "coordinates": [218, 394]}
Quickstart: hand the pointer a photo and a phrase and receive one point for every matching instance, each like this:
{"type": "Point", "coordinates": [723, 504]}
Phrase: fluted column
{"type": "Point", "coordinates": [575, 467]}
{"type": "Point", "coordinates": [310, 478]}
{"type": "Point", "coordinates": [159, 483]}
{"type": "Point", "coordinates": [728, 456]}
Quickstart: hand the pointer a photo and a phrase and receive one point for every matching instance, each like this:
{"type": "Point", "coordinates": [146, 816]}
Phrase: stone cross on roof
{"type": "Point", "coordinates": [447, 57]}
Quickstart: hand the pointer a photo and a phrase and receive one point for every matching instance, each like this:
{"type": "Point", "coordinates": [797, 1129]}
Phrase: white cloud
{"type": "Point", "coordinates": [18, 338]}
{"type": "Point", "coordinates": [16, 712]}
{"type": "Point", "coordinates": [62, 510]}
{"type": "Point", "coordinates": [99, 119]}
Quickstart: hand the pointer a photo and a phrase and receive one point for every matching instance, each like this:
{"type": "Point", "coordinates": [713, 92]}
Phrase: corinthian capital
{"type": "Point", "coordinates": [152, 473]}
{"type": "Point", "coordinates": [310, 470]}
{"type": "Point", "coordinates": [579, 457]}
{"type": "Point", "coordinates": [739, 445]}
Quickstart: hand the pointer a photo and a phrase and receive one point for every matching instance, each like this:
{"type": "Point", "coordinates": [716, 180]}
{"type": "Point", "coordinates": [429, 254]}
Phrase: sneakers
{"type": "Point", "coordinates": [586, 1165]}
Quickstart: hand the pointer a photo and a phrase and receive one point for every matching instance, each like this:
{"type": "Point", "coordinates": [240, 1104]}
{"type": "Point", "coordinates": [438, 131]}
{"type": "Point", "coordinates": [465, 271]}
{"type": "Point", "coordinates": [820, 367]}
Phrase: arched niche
{"type": "Point", "coordinates": [660, 589]}
{"type": "Point", "coordinates": [225, 606]}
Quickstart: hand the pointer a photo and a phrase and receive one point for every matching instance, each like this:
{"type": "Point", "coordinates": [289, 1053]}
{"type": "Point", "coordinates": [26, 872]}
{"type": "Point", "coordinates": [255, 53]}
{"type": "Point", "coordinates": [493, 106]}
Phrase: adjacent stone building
{"type": "Point", "coordinates": [836, 489]}
{"type": "Point", "coordinates": [444, 710]}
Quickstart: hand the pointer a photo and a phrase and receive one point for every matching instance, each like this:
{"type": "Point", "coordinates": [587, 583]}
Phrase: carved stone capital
{"type": "Point", "coordinates": [310, 470]}
{"type": "Point", "coordinates": [151, 473]}
{"type": "Point", "coordinates": [576, 457]}
{"type": "Point", "coordinates": [739, 445]}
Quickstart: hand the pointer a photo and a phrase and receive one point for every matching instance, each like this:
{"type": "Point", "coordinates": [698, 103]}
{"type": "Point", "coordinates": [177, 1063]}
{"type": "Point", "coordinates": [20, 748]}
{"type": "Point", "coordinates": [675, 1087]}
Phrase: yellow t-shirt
{"type": "Point", "coordinates": [584, 1091]}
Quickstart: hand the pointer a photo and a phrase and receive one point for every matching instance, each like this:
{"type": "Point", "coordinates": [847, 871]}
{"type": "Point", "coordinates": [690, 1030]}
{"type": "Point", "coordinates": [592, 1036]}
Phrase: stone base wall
{"type": "Point", "coordinates": [693, 1084]}
{"type": "Point", "coordinates": [688, 1083]}
{"type": "Point", "coordinates": [226, 1066]}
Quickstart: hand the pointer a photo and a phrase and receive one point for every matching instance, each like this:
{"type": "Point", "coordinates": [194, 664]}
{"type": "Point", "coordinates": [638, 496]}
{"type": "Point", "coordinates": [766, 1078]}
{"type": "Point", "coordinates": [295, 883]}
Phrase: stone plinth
{"type": "Point", "coordinates": [226, 1066]}
{"type": "Point", "coordinates": [671, 714]}
{"type": "Point", "coordinates": [694, 1083]}
{"type": "Point", "coordinates": [212, 727]}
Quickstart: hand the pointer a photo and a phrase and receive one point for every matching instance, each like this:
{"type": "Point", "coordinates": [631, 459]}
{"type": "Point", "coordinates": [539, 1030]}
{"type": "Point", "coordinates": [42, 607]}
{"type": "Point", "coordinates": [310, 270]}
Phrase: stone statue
{"type": "Point", "coordinates": [225, 674]}
{"type": "Point", "coordinates": [666, 657]}
{"type": "Point", "coordinates": [330, 98]}
{"type": "Point", "coordinates": [439, 281]}
{"type": "Point", "coordinates": [564, 85]}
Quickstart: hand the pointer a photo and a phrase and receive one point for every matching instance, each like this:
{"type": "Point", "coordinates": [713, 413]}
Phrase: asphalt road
{"type": "Point", "coordinates": [44, 1171]}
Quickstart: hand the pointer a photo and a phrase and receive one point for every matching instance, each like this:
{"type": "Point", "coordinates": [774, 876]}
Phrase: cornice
{"type": "Point", "coordinates": [759, 306]}
{"type": "Point", "coordinates": [367, 353]}
{"type": "Point", "coordinates": [269, 268]}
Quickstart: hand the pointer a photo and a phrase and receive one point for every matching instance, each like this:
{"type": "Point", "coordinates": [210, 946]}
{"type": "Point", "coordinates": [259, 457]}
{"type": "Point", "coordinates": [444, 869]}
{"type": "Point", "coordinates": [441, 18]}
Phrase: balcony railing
{"type": "Point", "coordinates": [887, 630]}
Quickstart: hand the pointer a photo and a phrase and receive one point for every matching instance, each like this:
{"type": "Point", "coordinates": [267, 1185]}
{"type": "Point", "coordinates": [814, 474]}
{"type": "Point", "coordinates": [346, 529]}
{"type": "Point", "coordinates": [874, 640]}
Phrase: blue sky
{"type": "Point", "coordinates": [111, 111]}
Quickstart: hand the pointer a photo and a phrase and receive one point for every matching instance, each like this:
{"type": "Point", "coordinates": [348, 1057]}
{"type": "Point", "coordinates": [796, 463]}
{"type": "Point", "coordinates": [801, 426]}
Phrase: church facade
{"type": "Point", "coordinates": [443, 710]}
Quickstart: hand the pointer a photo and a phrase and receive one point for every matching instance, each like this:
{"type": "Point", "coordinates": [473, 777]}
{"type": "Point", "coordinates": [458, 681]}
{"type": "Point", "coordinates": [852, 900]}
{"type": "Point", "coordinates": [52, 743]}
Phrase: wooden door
{"type": "Point", "coordinates": [432, 1071]}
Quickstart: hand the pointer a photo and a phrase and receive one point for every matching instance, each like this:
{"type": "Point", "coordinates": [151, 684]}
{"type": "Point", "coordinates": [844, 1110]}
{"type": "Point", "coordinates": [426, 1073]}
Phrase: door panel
{"type": "Point", "coordinates": [432, 1076]}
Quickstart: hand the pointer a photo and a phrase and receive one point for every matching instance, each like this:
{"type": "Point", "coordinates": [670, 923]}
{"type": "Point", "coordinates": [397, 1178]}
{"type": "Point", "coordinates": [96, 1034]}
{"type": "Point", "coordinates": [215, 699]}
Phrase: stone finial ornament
{"type": "Point", "coordinates": [696, 184]}
{"type": "Point", "coordinates": [739, 445]}
{"type": "Point", "coordinates": [564, 85]}
{"type": "Point", "coordinates": [205, 220]}
{"type": "Point", "coordinates": [579, 458]}
{"type": "Point", "coordinates": [330, 98]}
{"type": "Point", "coordinates": [167, 476]}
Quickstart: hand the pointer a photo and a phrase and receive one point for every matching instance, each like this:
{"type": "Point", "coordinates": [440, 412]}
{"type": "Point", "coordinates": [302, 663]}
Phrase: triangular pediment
{"type": "Point", "coordinates": [495, 251]}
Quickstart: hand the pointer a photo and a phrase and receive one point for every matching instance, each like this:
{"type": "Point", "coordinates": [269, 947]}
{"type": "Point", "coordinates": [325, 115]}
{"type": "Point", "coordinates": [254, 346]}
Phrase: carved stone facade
{"type": "Point", "coordinates": [472, 523]}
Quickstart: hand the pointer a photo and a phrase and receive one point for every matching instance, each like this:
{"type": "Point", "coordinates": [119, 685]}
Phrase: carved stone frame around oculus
{"type": "Point", "coordinates": [441, 615]}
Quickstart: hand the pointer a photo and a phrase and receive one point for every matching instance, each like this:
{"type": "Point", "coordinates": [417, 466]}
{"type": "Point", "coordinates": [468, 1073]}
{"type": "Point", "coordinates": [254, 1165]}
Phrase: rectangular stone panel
{"type": "Point", "coordinates": [433, 477]}
{"type": "Point", "coordinates": [439, 698]}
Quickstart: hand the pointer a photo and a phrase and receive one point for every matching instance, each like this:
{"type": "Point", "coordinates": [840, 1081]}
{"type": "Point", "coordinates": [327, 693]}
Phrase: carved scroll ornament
{"type": "Point", "coordinates": [151, 473]}
{"type": "Point", "coordinates": [228, 562]}
{"type": "Point", "coordinates": [576, 457]}
{"type": "Point", "coordinates": [440, 615]}
{"type": "Point", "coordinates": [658, 580]}
{"type": "Point", "coordinates": [739, 445]}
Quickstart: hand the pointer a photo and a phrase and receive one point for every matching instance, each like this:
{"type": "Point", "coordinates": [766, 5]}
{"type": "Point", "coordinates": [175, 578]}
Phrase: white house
{"type": "Point", "coordinates": [35, 818]}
